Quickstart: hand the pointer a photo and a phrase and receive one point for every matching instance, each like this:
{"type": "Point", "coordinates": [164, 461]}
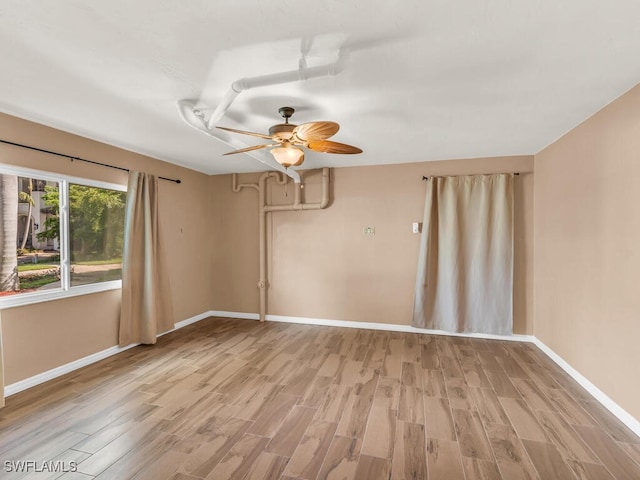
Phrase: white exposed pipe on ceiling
{"type": "Point", "coordinates": [194, 116]}
{"type": "Point", "coordinates": [301, 74]}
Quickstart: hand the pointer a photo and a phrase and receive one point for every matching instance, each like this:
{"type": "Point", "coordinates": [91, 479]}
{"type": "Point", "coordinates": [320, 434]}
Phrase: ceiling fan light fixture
{"type": "Point", "coordinates": [288, 155]}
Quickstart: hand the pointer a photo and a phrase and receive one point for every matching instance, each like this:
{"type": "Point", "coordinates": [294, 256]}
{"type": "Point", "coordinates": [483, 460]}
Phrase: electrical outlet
{"type": "Point", "coordinates": [369, 230]}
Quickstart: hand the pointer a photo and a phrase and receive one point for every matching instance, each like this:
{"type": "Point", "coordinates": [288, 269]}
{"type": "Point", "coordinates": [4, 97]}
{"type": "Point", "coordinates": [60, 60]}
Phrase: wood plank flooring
{"type": "Point", "coordinates": [237, 399]}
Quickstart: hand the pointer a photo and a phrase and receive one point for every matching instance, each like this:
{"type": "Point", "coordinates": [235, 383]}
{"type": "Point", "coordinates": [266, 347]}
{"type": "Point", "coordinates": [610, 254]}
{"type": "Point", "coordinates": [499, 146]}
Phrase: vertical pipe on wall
{"type": "Point", "coordinates": [236, 188]}
{"type": "Point", "coordinates": [262, 231]}
{"type": "Point", "coordinates": [264, 208]}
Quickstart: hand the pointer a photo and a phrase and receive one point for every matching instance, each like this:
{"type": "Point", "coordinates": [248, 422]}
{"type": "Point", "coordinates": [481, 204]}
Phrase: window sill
{"type": "Point", "coordinates": [20, 300]}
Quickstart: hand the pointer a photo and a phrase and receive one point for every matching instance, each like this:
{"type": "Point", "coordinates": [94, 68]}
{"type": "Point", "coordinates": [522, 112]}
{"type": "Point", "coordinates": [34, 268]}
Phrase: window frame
{"type": "Point", "coordinates": [66, 290]}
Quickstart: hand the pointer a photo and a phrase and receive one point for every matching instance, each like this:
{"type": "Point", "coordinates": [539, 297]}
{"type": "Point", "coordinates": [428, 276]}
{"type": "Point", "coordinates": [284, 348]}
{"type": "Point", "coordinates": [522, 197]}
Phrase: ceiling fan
{"type": "Point", "coordinates": [288, 138]}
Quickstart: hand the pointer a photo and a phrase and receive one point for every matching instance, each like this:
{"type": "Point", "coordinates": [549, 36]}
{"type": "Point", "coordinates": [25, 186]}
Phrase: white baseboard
{"type": "Point", "coordinates": [366, 325]}
{"type": "Point", "coordinates": [241, 315]}
{"type": "Point", "coordinates": [84, 361]}
{"type": "Point", "coordinates": [624, 416]}
{"type": "Point", "coordinates": [62, 370]}
{"type": "Point", "coordinates": [188, 321]}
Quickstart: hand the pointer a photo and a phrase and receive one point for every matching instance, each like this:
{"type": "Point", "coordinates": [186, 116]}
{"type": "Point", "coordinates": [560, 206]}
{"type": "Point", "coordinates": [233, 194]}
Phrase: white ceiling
{"type": "Point", "coordinates": [422, 79]}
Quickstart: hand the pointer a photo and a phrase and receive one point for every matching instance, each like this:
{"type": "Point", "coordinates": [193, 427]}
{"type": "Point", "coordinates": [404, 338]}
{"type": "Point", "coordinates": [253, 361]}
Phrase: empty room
{"type": "Point", "coordinates": [298, 240]}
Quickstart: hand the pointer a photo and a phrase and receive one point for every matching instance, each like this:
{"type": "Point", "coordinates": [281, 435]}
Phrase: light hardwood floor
{"type": "Point", "coordinates": [237, 399]}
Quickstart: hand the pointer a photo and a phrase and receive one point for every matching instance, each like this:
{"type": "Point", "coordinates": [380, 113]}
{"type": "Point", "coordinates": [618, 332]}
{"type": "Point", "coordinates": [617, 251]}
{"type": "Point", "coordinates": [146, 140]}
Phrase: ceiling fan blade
{"type": "Point", "coordinates": [253, 134]}
{"type": "Point", "coordinates": [326, 146]}
{"type": "Point", "coordinates": [316, 131]}
{"type": "Point", "coordinates": [248, 149]}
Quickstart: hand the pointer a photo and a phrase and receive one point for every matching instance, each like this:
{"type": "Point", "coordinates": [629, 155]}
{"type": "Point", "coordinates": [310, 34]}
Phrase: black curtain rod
{"type": "Point", "coordinates": [72, 158]}
{"type": "Point", "coordinates": [427, 178]}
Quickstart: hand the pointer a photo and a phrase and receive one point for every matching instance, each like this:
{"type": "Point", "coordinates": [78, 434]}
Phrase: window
{"type": "Point", "coordinates": [59, 236]}
{"type": "Point", "coordinates": [96, 233]}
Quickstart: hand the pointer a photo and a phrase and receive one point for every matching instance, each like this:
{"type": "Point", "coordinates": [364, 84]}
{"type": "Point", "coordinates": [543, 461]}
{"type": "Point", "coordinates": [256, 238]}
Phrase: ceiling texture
{"type": "Point", "coordinates": [419, 80]}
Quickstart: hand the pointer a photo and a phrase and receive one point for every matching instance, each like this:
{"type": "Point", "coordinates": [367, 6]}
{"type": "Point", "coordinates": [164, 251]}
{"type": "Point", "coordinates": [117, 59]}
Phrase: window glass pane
{"type": "Point", "coordinates": [29, 235]}
{"type": "Point", "coordinates": [96, 233]}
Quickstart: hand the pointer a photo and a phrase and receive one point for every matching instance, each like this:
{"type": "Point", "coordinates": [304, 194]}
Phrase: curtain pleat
{"type": "Point", "coordinates": [465, 265]}
{"type": "Point", "coordinates": [146, 307]}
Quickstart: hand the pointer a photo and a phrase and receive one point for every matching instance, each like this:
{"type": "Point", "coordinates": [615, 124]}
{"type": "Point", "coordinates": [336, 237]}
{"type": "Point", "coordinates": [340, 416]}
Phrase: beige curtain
{"type": "Point", "coordinates": [1, 367]}
{"type": "Point", "coordinates": [146, 298]}
{"type": "Point", "coordinates": [465, 266]}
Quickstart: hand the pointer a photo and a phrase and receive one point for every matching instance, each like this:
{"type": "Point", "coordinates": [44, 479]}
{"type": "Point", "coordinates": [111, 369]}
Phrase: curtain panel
{"type": "Point", "coordinates": [465, 266]}
{"type": "Point", "coordinates": [146, 307]}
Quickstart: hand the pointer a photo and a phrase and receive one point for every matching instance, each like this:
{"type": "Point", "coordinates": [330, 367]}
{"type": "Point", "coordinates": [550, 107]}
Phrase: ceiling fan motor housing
{"type": "Point", "coordinates": [282, 131]}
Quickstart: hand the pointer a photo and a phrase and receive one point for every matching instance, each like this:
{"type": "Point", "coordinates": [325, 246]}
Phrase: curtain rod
{"type": "Point", "coordinates": [72, 158]}
{"type": "Point", "coordinates": [427, 178]}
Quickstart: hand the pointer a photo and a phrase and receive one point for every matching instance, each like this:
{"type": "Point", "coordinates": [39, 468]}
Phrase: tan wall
{"type": "Point", "coordinates": [46, 335]}
{"type": "Point", "coordinates": [587, 249]}
{"type": "Point", "coordinates": [321, 263]}
{"type": "Point", "coordinates": [234, 273]}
